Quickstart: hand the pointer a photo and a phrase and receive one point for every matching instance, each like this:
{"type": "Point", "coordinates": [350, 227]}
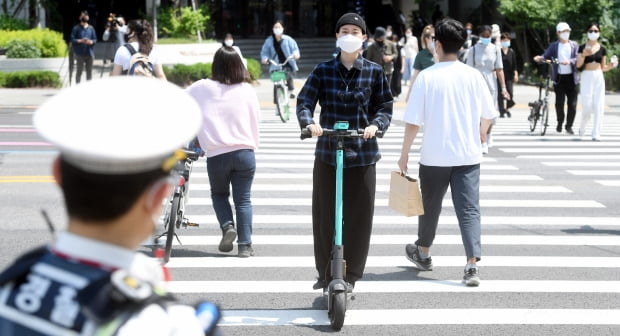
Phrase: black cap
{"type": "Point", "coordinates": [353, 19]}
{"type": "Point", "coordinates": [380, 33]}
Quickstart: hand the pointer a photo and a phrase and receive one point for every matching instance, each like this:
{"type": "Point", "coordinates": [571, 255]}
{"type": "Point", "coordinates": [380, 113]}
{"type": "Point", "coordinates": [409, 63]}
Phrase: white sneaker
{"type": "Point", "coordinates": [489, 140]}
{"type": "Point", "coordinates": [581, 131]}
{"type": "Point", "coordinates": [485, 148]}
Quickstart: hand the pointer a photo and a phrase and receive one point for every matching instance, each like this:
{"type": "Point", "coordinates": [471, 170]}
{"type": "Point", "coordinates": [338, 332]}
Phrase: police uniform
{"type": "Point", "coordinates": [83, 286]}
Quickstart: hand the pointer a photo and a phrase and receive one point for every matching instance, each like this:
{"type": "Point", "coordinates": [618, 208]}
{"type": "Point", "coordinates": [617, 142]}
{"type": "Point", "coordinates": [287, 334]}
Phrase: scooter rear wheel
{"type": "Point", "coordinates": [337, 310]}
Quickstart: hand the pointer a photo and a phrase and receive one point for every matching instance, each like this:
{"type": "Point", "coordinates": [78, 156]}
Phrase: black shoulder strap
{"type": "Point", "coordinates": [131, 49]}
{"type": "Point", "coordinates": [22, 265]}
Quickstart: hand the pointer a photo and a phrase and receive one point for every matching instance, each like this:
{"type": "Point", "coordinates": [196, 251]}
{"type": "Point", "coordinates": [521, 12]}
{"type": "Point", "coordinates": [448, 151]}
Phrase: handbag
{"type": "Point", "coordinates": [405, 196]}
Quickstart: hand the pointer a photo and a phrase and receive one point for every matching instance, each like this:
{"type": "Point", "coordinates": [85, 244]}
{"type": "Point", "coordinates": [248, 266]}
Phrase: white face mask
{"type": "Point", "coordinates": [408, 34]}
{"type": "Point", "coordinates": [593, 36]}
{"type": "Point", "coordinates": [228, 43]}
{"type": "Point", "coordinates": [278, 31]}
{"type": "Point", "coordinates": [565, 36]}
{"type": "Point", "coordinates": [349, 43]}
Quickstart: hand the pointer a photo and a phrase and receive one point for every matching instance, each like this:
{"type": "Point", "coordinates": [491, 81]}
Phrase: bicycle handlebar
{"type": "Point", "coordinates": [305, 133]}
{"type": "Point", "coordinates": [282, 64]}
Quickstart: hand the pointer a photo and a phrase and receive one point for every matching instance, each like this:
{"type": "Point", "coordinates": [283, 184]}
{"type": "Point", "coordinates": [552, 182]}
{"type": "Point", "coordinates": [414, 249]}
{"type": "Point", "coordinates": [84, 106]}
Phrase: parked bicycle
{"type": "Point", "coordinates": [280, 89]}
{"type": "Point", "coordinates": [539, 109]}
{"type": "Point", "coordinates": [173, 215]}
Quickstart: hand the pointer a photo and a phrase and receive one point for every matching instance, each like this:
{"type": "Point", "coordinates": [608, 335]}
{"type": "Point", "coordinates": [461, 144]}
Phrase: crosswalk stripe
{"type": "Point", "coordinates": [582, 164]}
{"type": "Point", "coordinates": [609, 183]}
{"type": "Point", "coordinates": [397, 261]}
{"type": "Point", "coordinates": [575, 150]}
{"type": "Point", "coordinates": [572, 144]}
{"type": "Point", "coordinates": [385, 188]}
{"type": "Point", "coordinates": [188, 240]}
{"type": "Point", "coordinates": [469, 316]}
{"type": "Point", "coordinates": [383, 202]}
{"type": "Point", "coordinates": [380, 177]}
{"type": "Point", "coordinates": [420, 286]}
{"type": "Point", "coordinates": [575, 158]}
{"type": "Point", "coordinates": [595, 172]}
{"type": "Point", "coordinates": [567, 221]}
{"type": "Point", "coordinates": [284, 165]}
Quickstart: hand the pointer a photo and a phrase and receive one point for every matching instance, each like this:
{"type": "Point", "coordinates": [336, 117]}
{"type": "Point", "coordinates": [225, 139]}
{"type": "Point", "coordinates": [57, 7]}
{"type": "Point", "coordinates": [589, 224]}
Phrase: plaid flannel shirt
{"type": "Point", "coordinates": [360, 96]}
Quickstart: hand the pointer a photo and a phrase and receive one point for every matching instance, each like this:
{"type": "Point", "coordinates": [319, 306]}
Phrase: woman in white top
{"type": "Point", "coordinates": [140, 37]}
{"type": "Point", "coordinates": [410, 48]}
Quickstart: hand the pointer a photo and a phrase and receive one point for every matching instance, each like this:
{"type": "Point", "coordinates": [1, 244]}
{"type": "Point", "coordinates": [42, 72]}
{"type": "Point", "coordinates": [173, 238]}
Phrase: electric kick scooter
{"type": "Point", "coordinates": [337, 288]}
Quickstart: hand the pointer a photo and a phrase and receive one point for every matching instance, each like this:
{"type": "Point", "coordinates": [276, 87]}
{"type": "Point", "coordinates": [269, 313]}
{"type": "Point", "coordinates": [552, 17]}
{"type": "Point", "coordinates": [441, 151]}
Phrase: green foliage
{"type": "Point", "coordinates": [28, 79]}
{"type": "Point", "coordinates": [254, 68]}
{"type": "Point", "coordinates": [10, 23]}
{"type": "Point", "coordinates": [22, 49]}
{"type": "Point", "coordinates": [183, 22]}
{"type": "Point", "coordinates": [183, 75]}
{"type": "Point", "coordinates": [49, 42]}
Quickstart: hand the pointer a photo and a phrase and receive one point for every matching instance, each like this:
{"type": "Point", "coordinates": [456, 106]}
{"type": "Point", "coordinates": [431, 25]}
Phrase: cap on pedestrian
{"type": "Point", "coordinates": [120, 125]}
{"type": "Point", "coordinates": [495, 30]}
{"type": "Point", "coordinates": [352, 19]}
{"type": "Point", "coordinates": [562, 26]}
{"type": "Point", "coordinates": [380, 33]}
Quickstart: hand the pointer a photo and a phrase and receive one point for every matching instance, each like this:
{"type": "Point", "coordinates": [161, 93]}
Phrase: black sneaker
{"type": "Point", "coordinates": [413, 254]}
{"type": "Point", "coordinates": [228, 237]}
{"type": "Point", "coordinates": [559, 128]}
{"type": "Point", "coordinates": [472, 277]}
{"type": "Point", "coordinates": [245, 251]}
{"type": "Point", "coordinates": [569, 130]}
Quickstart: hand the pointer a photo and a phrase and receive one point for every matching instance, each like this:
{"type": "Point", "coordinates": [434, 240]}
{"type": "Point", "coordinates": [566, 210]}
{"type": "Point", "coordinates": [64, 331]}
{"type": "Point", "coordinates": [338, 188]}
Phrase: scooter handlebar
{"type": "Point", "coordinates": [305, 133]}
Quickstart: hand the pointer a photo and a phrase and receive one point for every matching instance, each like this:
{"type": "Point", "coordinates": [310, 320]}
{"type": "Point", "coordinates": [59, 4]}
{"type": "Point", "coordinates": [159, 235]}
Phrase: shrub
{"type": "Point", "coordinates": [183, 75]}
{"type": "Point", "coordinates": [22, 49]}
{"type": "Point", "coordinates": [49, 42]}
{"type": "Point", "coordinates": [254, 68]}
{"type": "Point", "coordinates": [183, 22]}
{"type": "Point", "coordinates": [25, 79]}
{"type": "Point", "coordinates": [10, 23]}
{"type": "Point", "coordinates": [2, 79]}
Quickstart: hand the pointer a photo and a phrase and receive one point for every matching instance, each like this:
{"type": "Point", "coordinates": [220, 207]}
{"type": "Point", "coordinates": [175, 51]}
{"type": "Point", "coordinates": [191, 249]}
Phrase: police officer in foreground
{"type": "Point", "coordinates": [114, 173]}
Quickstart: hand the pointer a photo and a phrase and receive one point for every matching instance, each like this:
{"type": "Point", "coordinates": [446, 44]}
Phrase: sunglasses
{"type": "Point", "coordinates": [593, 31]}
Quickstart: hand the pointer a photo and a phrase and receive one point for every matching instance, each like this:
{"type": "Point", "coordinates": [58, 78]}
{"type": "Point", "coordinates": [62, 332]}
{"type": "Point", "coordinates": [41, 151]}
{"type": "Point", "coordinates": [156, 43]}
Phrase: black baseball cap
{"type": "Point", "coordinates": [353, 19]}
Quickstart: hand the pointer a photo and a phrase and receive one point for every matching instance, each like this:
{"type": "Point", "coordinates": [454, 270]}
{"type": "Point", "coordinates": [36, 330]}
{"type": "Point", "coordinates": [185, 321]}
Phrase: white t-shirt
{"type": "Point", "coordinates": [564, 50]}
{"type": "Point", "coordinates": [448, 99]}
{"type": "Point", "coordinates": [123, 56]}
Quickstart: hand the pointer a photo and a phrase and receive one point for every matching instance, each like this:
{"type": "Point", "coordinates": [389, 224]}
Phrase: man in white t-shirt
{"type": "Point", "coordinates": [456, 115]}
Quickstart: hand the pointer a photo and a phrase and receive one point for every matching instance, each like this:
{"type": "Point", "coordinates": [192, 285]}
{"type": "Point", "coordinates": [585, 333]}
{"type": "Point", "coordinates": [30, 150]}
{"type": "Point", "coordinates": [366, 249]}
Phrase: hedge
{"type": "Point", "coordinates": [26, 79]}
{"type": "Point", "coordinates": [48, 41]}
{"type": "Point", "coordinates": [183, 75]}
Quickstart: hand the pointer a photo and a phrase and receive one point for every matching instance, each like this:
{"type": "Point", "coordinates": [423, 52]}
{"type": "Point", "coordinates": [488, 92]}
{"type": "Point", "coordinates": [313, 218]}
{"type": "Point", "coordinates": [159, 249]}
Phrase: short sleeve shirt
{"type": "Point", "coordinates": [423, 60]}
{"type": "Point", "coordinates": [123, 55]}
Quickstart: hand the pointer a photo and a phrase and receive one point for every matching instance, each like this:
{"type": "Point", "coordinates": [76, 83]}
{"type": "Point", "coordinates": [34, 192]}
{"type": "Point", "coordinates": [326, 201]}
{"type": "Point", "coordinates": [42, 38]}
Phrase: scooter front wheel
{"type": "Point", "coordinates": [337, 309]}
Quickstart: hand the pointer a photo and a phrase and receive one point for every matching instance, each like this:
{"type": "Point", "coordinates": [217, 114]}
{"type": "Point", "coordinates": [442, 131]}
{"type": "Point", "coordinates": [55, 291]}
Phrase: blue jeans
{"type": "Point", "coordinates": [234, 169]}
{"type": "Point", "coordinates": [464, 182]}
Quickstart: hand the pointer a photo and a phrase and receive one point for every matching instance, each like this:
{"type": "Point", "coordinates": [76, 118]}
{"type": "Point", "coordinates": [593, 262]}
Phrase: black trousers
{"type": "Point", "coordinates": [358, 209]}
{"type": "Point", "coordinates": [501, 101]}
{"type": "Point", "coordinates": [566, 91]}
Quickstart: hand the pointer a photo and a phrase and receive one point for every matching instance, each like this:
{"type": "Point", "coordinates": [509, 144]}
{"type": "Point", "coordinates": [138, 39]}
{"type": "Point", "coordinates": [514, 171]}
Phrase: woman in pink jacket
{"type": "Point", "coordinates": [229, 135]}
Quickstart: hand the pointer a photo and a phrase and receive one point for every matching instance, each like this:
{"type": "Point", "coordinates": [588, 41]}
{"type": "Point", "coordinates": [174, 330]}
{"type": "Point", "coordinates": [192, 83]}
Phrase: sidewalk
{"type": "Point", "coordinates": [31, 98]}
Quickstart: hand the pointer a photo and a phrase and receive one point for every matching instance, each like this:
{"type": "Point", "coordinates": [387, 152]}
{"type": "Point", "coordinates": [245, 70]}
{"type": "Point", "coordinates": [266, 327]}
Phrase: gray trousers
{"type": "Point", "coordinates": [464, 182]}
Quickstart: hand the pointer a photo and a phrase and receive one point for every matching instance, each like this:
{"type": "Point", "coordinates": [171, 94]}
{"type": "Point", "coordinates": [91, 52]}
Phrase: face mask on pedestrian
{"type": "Point", "coordinates": [485, 40]}
{"type": "Point", "coordinates": [349, 43]}
{"type": "Point", "coordinates": [85, 18]}
{"type": "Point", "coordinates": [278, 31]}
{"type": "Point", "coordinates": [229, 43]}
{"type": "Point", "coordinates": [505, 44]}
{"type": "Point", "coordinates": [431, 45]}
{"type": "Point", "coordinates": [468, 31]}
{"type": "Point", "coordinates": [408, 34]}
{"type": "Point", "coordinates": [564, 36]}
{"type": "Point", "coordinates": [593, 36]}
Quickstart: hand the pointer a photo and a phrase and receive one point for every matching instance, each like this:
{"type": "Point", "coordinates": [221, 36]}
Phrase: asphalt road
{"type": "Point", "coordinates": [551, 235]}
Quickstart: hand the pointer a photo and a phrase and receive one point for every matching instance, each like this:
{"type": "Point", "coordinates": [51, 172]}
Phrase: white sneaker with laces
{"type": "Point", "coordinates": [485, 148]}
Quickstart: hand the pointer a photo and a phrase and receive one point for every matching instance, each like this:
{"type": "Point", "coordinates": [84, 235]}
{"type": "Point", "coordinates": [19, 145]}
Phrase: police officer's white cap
{"type": "Point", "coordinates": [120, 125]}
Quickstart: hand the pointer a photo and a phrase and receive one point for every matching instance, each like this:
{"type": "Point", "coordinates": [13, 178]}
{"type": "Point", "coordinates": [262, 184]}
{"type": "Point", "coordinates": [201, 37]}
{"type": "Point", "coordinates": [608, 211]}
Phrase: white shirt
{"type": "Point", "coordinates": [564, 55]}
{"type": "Point", "coordinates": [448, 99]}
{"type": "Point", "coordinates": [123, 56]}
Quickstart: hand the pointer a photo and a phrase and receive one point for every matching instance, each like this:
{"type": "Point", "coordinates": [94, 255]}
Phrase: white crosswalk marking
{"type": "Point", "coordinates": [546, 236]}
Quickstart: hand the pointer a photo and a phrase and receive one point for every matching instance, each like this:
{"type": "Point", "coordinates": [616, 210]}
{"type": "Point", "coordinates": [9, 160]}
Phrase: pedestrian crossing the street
{"type": "Point", "coordinates": [551, 244]}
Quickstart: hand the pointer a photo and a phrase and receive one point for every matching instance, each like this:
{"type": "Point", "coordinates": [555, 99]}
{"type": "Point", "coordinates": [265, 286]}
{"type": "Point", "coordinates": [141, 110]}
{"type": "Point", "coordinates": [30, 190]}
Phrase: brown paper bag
{"type": "Point", "coordinates": [405, 196]}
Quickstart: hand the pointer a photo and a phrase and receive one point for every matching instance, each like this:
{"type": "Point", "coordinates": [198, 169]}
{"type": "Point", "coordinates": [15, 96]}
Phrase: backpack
{"type": "Point", "coordinates": [139, 64]}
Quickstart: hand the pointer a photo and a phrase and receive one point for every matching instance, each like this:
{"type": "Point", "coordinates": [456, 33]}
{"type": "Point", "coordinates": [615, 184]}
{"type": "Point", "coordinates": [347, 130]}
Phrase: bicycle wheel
{"type": "Point", "coordinates": [544, 118]}
{"type": "Point", "coordinates": [532, 119]}
{"type": "Point", "coordinates": [171, 226]}
{"type": "Point", "coordinates": [282, 103]}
